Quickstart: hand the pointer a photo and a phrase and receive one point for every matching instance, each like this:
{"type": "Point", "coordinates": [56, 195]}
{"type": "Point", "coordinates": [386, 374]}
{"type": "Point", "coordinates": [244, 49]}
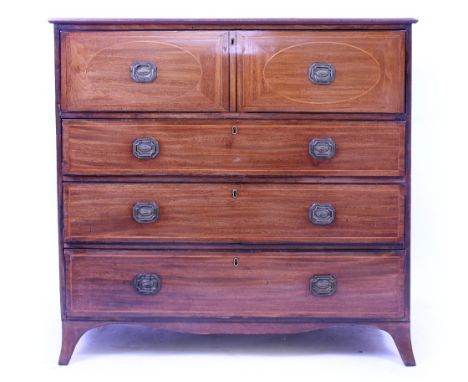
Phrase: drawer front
{"type": "Point", "coordinates": [145, 71]}
{"type": "Point", "coordinates": [315, 148]}
{"type": "Point", "coordinates": [230, 213]}
{"type": "Point", "coordinates": [321, 71]}
{"type": "Point", "coordinates": [148, 284]}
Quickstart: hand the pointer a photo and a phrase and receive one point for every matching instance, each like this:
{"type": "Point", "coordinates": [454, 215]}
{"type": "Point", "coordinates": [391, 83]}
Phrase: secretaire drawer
{"type": "Point", "coordinates": [157, 284]}
{"type": "Point", "coordinates": [321, 71]}
{"type": "Point", "coordinates": [144, 71]}
{"type": "Point", "coordinates": [229, 213]}
{"type": "Point", "coordinates": [266, 148]}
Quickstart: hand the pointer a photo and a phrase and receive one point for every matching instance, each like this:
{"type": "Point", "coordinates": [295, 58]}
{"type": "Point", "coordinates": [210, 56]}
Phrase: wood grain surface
{"type": "Point", "coordinates": [100, 284]}
{"type": "Point", "coordinates": [266, 148]}
{"type": "Point", "coordinates": [192, 71]}
{"type": "Point", "coordinates": [273, 71]}
{"type": "Point", "coordinates": [209, 213]}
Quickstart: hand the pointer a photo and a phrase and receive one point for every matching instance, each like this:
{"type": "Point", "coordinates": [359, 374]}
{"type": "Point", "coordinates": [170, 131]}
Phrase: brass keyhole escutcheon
{"type": "Point", "coordinates": [235, 261]}
{"type": "Point", "coordinates": [234, 193]}
{"type": "Point", "coordinates": [234, 130]}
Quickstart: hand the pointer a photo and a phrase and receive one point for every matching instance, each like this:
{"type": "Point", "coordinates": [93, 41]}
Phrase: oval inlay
{"type": "Point", "coordinates": [164, 55]}
{"type": "Point", "coordinates": [286, 73]}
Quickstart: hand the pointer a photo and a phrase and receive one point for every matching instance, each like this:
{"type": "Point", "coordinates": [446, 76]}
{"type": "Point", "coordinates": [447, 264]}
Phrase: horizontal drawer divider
{"type": "Point", "coordinates": [278, 251]}
{"type": "Point", "coordinates": [291, 116]}
{"type": "Point", "coordinates": [131, 320]}
{"type": "Point", "coordinates": [188, 243]}
{"type": "Point", "coordinates": [228, 246]}
{"type": "Point", "coordinates": [243, 181]}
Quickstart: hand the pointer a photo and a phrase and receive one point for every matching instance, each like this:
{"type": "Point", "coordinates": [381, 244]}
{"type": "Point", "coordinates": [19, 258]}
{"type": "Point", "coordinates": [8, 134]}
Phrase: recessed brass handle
{"type": "Point", "coordinates": [143, 71]}
{"type": "Point", "coordinates": [147, 283]}
{"type": "Point", "coordinates": [145, 212]}
{"type": "Point", "coordinates": [323, 285]}
{"type": "Point", "coordinates": [322, 148]}
{"type": "Point", "coordinates": [322, 213]}
{"type": "Point", "coordinates": [145, 148]}
{"type": "Point", "coordinates": [321, 73]}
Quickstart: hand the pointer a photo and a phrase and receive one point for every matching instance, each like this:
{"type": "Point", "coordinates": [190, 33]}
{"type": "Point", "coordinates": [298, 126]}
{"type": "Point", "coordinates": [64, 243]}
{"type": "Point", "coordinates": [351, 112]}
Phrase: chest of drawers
{"type": "Point", "coordinates": [234, 176]}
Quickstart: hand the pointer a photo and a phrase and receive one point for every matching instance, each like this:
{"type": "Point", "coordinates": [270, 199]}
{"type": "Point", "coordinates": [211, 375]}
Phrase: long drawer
{"type": "Point", "coordinates": [157, 284]}
{"type": "Point", "coordinates": [332, 71]}
{"type": "Point", "coordinates": [145, 71]}
{"type": "Point", "coordinates": [265, 148]}
{"type": "Point", "coordinates": [230, 213]}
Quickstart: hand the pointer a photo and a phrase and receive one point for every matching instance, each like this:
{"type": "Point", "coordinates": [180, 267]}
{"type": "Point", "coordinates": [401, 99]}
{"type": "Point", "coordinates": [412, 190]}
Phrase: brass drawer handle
{"type": "Point", "coordinates": [322, 214]}
{"type": "Point", "coordinates": [321, 73]}
{"type": "Point", "coordinates": [143, 71]}
{"type": "Point", "coordinates": [323, 285]}
{"type": "Point", "coordinates": [145, 148]}
{"type": "Point", "coordinates": [145, 212]}
{"type": "Point", "coordinates": [147, 283]}
{"type": "Point", "coordinates": [322, 148]}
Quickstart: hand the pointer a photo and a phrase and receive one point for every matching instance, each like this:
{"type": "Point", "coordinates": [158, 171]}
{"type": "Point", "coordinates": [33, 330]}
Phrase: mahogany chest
{"type": "Point", "coordinates": [234, 176]}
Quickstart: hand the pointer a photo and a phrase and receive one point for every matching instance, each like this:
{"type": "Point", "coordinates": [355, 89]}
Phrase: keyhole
{"type": "Point", "coordinates": [234, 130]}
{"type": "Point", "coordinates": [235, 261]}
{"type": "Point", "coordinates": [234, 194]}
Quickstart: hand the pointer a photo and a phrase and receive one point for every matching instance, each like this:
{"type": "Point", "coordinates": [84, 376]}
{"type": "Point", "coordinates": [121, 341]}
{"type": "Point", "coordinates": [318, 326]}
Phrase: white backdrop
{"type": "Point", "coordinates": [30, 315]}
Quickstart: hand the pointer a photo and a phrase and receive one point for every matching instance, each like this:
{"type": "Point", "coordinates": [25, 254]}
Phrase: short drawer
{"type": "Point", "coordinates": [230, 213]}
{"type": "Point", "coordinates": [265, 148]}
{"type": "Point", "coordinates": [333, 71]}
{"type": "Point", "coordinates": [149, 284]}
{"type": "Point", "coordinates": [144, 71]}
